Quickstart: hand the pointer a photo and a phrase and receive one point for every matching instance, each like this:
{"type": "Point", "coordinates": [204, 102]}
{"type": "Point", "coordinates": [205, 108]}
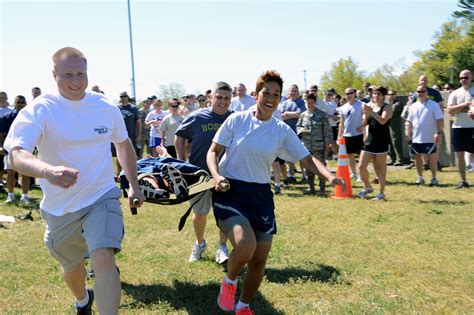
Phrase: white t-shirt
{"type": "Point", "coordinates": [154, 116]}
{"type": "Point", "coordinates": [75, 134]}
{"type": "Point", "coordinates": [457, 97]}
{"type": "Point", "coordinates": [169, 125]}
{"type": "Point", "coordinates": [276, 113]}
{"type": "Point", "coordinates": [331, 110]}
{"type": "Point", "coordinates": [423, 117]}
{"type": "Point", "coordinates": [252, 145]}
{"type": "Point", "coordinates": [352, 117]}
{"type": "Point", "coordinates": [240, 104]}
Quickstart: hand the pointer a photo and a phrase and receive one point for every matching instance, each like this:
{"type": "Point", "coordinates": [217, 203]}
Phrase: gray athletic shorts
{"type": "Point", "coordinates": [227, 225]}
{"type": "Point", "coordinates": [71, 236]}
{"type": "Point", "coordinates": [203, 206]}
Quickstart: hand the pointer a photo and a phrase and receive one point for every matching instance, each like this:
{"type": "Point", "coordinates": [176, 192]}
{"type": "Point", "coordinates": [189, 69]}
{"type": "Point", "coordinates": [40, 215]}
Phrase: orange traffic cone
{"type": "Point", "coordinates": [343, 172]}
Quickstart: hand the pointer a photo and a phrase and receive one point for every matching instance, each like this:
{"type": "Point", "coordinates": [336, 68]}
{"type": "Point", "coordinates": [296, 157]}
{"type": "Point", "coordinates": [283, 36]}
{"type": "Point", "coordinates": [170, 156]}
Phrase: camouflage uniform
{"type": "Point", "coordinates": [145, 133]}
{"type": "Point", "coordinates": [315, 140]}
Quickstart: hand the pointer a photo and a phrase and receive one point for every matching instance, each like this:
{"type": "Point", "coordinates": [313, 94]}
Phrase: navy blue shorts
{"type": "Point", "coordinates": [463, 139]}
{"type": "Point", "coordinates": [423, 148]}
{"type": "Point", "coordinates": [251, 200]}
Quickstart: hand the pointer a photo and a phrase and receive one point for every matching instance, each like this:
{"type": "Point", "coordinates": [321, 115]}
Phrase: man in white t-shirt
{"type": "Point", "coordinates": [73, 131]}
{"type": "Point", "coordinates": [423, 130]}
{"type": "Point", "coordinates": [460, 102]}
{"type": "Point", "coordinates": [350, 127]}
{"type": "Point", "coordinates": [242, 101]}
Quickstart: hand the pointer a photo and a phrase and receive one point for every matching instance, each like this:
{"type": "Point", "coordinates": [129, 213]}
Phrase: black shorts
{"type": "Point", "coordinates": [251, 200]}
{"type": "Point", "coordinates": [354, 144]}
{"type": "Point", "coordinates": [2, 166]}
{"type": "Point", "coordinates": [335, 131]}
{"type": "Point", "coordinates": [463, 139]}
{"type": "Point", "coordinates": [280, 161]}
{"type": "Point", "coordinates": [375, 148]}
{"type": "Point", "coordinates": [423, 148]}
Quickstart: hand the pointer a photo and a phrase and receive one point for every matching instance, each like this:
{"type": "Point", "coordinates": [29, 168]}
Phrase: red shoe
{"type": "Point", "coordinates": [226, 298]}
{"type": "Point", "coordinates": [244, 311]}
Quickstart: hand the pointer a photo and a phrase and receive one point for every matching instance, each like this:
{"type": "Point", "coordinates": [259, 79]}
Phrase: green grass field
{"type": "Point", "coordinates": [413, 253]}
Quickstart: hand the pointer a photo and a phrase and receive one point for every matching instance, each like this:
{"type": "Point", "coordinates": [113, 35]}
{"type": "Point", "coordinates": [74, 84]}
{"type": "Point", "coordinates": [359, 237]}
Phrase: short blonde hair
{"type": "Point", "coordinates": [67, 51]}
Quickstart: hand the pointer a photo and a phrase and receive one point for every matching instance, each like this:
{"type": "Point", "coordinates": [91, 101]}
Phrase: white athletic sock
{"type": "Point", "coordinates": [11, 195]}
{"type": "Point", "coordinates": [24, 196]}
{"type": "Point", "coordinates": [240, 304]}
{"type": "Point", "coordinates": [277, 184]}
{"type": "Point", "coordinates": [84, 301]}
{"type": "Point", "coordinates": [227, 280]}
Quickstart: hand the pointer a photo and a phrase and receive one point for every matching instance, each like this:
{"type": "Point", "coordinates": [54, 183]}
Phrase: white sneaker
{"type": "Point", "coordinates": [420, 181]}
{"type": "Point", "coordinates": [359, 179]}
{"type": "Point", "coordinates": [364, 192]}
{"type": "Point", "coordinates": [197, 252]}
{"type": "Point", "coordinates": [379, 197]}
{"type": "Point", "coordinates": [222, 255]}
{"type": "Point", "coordinates": [25, 201]}
{"type": "Point", "coordinates": [10, 199]}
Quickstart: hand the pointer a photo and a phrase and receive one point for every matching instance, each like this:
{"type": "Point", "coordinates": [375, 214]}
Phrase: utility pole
{"type": "Point", "coordinates": [304, 73]}
{"type": "Point", "coordinates": [131, 50]}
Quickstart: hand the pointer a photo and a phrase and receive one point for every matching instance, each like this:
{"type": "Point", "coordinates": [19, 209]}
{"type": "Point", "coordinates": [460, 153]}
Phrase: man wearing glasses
{"type": "Point", "coordinates": [460, 102]}
{"type": "Point", "coordinates": [350, 127]}
{"type": "Point", "coordinates": [5, 123]}
{"type": "Point", "coordinates": [187, 106]}
{"type": "Point", "coordinates": [424, 127]}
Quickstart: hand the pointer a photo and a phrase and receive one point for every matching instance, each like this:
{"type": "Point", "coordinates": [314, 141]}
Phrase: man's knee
{"type": "Point", "coordinates": [102, 259]}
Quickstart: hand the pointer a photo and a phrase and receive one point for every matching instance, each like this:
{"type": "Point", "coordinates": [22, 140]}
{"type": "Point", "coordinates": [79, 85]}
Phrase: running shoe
{"type": "Point", "coordinates": [226, 297]}
{"type": "Point", "coordinates": [10, 199]}
{"type": "Point", "coordinates": [379, 197]}
{"type": "Point", "coordinates": [420, 181]}
{"type": "Point", "coordinates": [463, 184]}
{"type": "Point", "coordinates": [364, 192]}
{"type": "Point", "coordinates": [434, 182]}
{"type": "Point", "coordinates": [175, 180]}
{"type": "Point", "coordinates": [87, 309]}
{"type": "Point", "coordinates": [277, 190]}
{"type": "Point", "coordinates": [309, 191]}
{"type": "Point", "coordinates": [25, 201]}
{"type": "Point", "coordinates": [354, 177]}
{"type": "Point", "coordinates": [222, 255]}
{"type": "Point", "coordinates": [197, 252]}
{"type": "Point", "coordinates": [244, 311]}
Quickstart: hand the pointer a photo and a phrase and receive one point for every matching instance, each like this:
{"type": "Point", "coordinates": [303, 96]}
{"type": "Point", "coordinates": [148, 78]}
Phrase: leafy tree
{"type": "Point", "coordinates": [171, 90]}
{"type": "Point", "coordinates": [468, 12]}
{"type": "Point", "coordinates": [343, 74]}
{"type": "Point", "coordinates": [452, 52]}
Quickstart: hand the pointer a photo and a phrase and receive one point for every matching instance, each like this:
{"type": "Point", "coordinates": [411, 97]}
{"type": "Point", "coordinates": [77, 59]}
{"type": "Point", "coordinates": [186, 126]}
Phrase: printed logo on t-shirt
{"type": "Point", "coordinates": [101, 130]}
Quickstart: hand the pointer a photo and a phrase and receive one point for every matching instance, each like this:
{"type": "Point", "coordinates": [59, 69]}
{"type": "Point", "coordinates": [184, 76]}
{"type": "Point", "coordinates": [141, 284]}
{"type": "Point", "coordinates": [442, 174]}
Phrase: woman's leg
{"type": "Point", "coordinates": [244, 243]}
{"type": "Point", "coordinates": [380, 167]}
{"type": "Point", "coordinates": [365, 158]}
{"type": "Point", "coordinates": [255, 273]}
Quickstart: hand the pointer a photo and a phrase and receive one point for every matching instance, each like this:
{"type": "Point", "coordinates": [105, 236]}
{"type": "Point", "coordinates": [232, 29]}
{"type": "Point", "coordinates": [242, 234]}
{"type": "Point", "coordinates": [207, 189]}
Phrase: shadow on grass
{"type": "Point", "coordinates": [412, 183]}
{"type": "Point", "coordinates": [322, 273]}
{"type": "Point", "coordinates": [194, 298]}
{"type": "Point", "coordinates": [444, 202]}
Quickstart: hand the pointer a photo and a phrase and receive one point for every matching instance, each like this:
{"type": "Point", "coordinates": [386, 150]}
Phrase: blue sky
{"type": "Point", "coordinates": [196, 43]}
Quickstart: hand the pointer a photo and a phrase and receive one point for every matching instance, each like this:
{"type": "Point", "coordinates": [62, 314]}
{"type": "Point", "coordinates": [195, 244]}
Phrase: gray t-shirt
{"type": "Point", "coordinates": [352, 117]}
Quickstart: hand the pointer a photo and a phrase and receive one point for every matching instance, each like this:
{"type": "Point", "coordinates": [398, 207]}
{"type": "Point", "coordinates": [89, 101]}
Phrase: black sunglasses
{"type": "Point", "coordinates": [349, 93]}
{"type": "Point", "coordinates": [201, 100]}
{"type": "Point", "coordinates": [463, 78]}
{"type": "Point", "coordinates": [122, 96]}
{"type": "Point", "coordinates": [21, 102]}
{"type": "Point", "coordinates": [421, 91]}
